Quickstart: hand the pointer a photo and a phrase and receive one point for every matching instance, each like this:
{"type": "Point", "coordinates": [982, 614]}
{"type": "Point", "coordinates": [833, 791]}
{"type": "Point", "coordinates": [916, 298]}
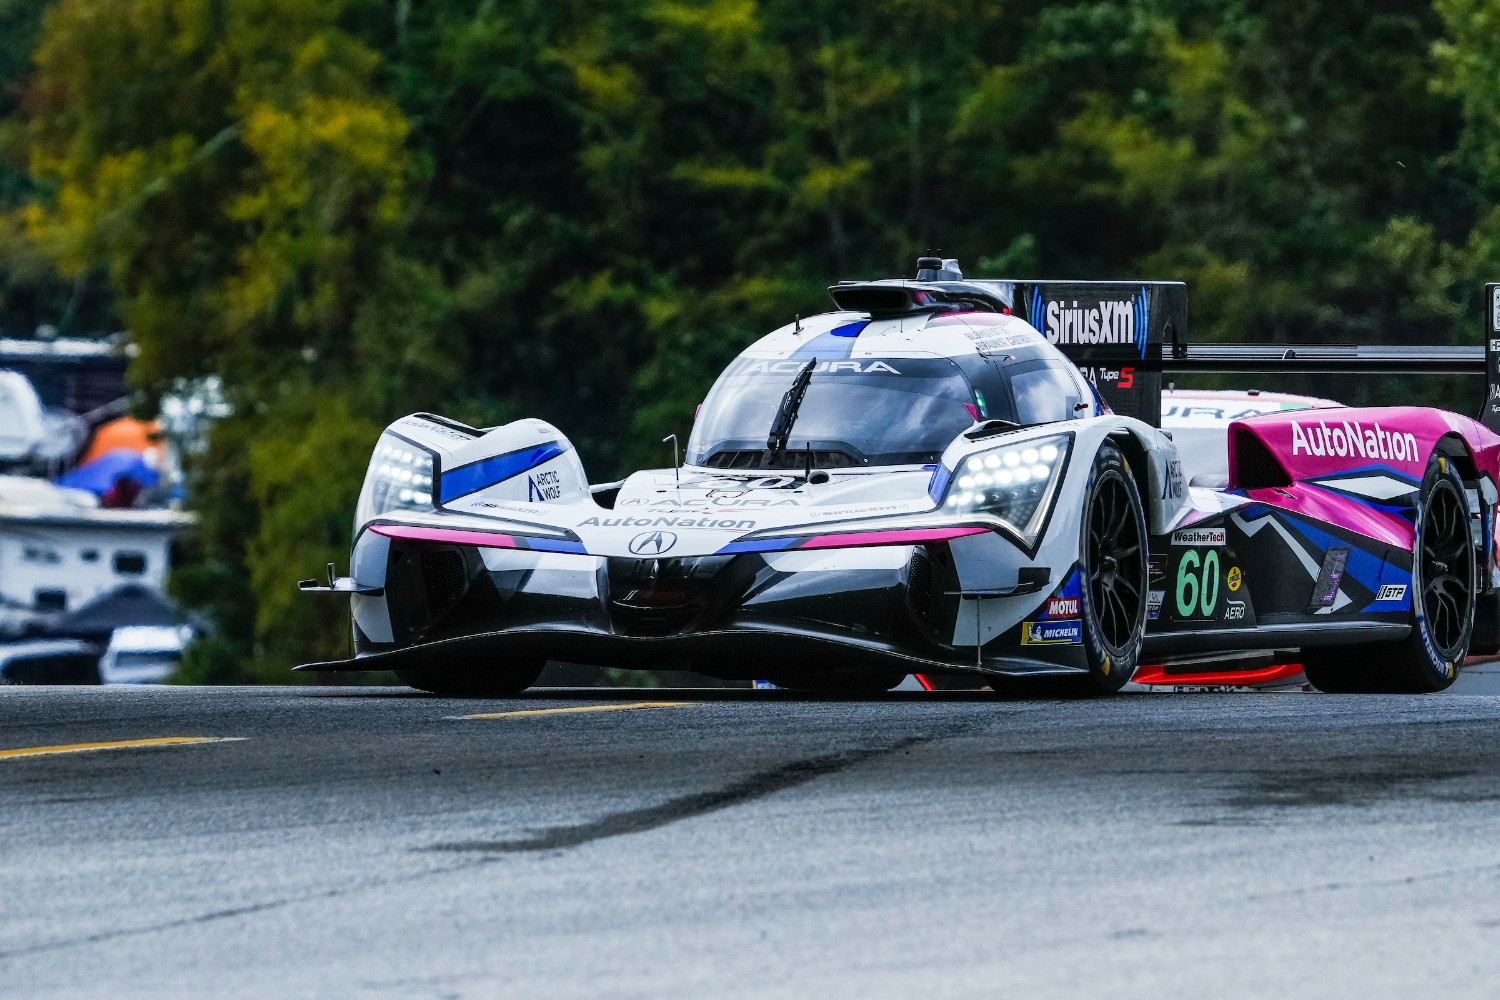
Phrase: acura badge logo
{"type": "Point", "coordinates": [652, 543]}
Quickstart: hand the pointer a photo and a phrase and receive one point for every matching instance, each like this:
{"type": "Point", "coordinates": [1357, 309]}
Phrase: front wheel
{"type": "Point", "coordinates": [472, 677]}
{"type": "Point", "coordinates": [1112, 551]}
{"type": "Point", "coordinates": [1444, 581]}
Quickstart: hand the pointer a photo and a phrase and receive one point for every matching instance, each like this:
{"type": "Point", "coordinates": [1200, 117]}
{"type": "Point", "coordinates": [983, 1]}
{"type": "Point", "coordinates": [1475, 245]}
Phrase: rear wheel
{"type": "Point", "coordinates": [1113, 554]}
{"type": "Point", "coordinates": [471, 677]}
{"type": "Point", "coordinates": [1443, 587]}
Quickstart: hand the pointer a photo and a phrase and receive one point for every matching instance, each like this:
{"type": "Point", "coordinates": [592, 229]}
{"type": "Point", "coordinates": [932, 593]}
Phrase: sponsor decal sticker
{"type": "Point", "coordinates": [1392, 592]}
{"type": "Point", "coordinates": [1122, 378]}
{"type": "Point", "coordinates": [1153, 604]}
{"type": "Point", "coordinates": [1353, 439]}
{"type": "Point", "coordinates": [544, 487]}
{"type": "Point", "coordinates": [792, 367]}
{"type": "Point", "coordinates": [711, 502]}
{"type": "Point", "coordinates": [1199, 536]}
{"type": "Point", "coordinates": [1234, 611]}
{"type": "Point", "coordinates": [665, 522]}
{"type": "Point", "coordinates": [1235, 578]}
{"type": "Point", "coordinates": [1051, 633]}
{"type": "Point", "coordinates": [1171, 487]}
{"type": "Point", "coordinates": [992, 342]}
{"type": "Point", "coordinates": [1062, 607]}
{"type": "Point", "coordinates": [1121, 321]}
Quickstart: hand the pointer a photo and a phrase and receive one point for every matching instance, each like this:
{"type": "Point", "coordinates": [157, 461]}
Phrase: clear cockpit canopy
{"type": "Point", "coordinates": [854, 413]}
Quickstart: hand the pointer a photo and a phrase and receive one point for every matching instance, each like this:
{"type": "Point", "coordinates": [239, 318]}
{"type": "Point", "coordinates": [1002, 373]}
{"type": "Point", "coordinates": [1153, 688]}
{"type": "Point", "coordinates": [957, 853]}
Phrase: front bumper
{"type": "Point", "coordinates": [729, 616]}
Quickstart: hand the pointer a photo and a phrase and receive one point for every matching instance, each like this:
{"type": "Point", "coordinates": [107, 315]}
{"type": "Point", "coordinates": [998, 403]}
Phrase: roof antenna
{"type": "Point", "coordinates": [798, 328]}
{"type": "Point", "coordinates": [676, 475]}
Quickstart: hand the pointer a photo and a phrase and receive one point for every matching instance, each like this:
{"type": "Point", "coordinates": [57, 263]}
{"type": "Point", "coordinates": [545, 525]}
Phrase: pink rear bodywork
{"type": "Point", "coordinates": [1314, 445]}
{"type": "Point", "coordinates": [1311, 444]}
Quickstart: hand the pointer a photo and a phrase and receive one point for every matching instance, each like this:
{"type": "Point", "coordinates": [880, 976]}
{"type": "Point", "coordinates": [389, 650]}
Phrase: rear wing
{"type": "Point", "coordinates": [1071, 314]}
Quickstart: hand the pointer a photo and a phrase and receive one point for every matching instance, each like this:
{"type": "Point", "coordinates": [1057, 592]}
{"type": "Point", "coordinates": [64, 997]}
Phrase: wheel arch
{"type": "Point", "coordinates": [1139, 463]}
{"type": "Point", "coordinates": [1156, 470]}
{"type": "Point", "coordinates": [1454, 448]}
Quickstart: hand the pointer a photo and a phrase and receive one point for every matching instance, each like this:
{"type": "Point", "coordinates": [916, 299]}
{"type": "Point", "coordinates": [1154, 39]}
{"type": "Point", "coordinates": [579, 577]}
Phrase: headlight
{"type": "Point", "coordinates": [1015, 483]}
{"type": "Point", "coordinates": [400, 478]}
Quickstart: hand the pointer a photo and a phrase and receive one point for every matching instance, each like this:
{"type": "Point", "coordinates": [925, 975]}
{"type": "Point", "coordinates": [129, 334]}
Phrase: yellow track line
{"type": "Point", "coordinates": [577, 709]}
{"type": "Point", "coordinates": [159, 741]}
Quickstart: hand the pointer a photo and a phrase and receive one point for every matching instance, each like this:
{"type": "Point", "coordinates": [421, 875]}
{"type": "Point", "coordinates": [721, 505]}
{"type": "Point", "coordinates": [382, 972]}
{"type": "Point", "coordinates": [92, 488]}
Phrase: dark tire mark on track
{"type": "Point", "coordinates": [756, 786]}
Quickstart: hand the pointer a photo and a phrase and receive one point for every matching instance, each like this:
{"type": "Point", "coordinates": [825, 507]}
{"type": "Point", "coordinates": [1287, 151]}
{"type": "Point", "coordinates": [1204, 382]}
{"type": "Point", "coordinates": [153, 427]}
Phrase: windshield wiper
{"type": "Point", "coordinates": [786, 413]}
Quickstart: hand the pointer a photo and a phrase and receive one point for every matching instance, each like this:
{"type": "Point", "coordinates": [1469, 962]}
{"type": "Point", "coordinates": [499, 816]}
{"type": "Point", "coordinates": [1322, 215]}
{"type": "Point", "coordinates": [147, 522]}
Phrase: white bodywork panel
{"type": "Point", "coordinates": [1199, 420]}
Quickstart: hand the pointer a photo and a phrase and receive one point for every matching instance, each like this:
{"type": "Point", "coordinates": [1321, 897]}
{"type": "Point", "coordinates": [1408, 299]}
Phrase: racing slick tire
{"type": "Point", "coordinates": [1112, 607]}
{"type": "Point", "coordinates": [1444, 584]}
{"type": "Point", "coordinates": [1113, 554]}
{"type": "Point", "coordinates": [465, 677]}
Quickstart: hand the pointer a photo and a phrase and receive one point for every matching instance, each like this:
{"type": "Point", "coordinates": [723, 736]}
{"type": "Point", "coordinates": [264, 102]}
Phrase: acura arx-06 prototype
{"type": "Point", "coordinates": [946, 476]}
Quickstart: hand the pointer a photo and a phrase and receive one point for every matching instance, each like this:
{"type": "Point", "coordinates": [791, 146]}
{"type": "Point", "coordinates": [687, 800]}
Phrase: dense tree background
{"type": "Point", "coordinates": [580, 209]}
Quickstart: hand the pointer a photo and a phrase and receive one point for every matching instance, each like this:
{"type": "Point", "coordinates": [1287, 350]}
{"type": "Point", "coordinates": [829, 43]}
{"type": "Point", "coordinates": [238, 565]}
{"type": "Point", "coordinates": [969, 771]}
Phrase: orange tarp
{"type": "Point", "coordinates": [125, 433]}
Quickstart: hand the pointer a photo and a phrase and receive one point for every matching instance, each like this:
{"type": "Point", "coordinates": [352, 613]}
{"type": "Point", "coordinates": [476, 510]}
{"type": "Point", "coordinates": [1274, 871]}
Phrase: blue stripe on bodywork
{"type": "Point", "coordinates": [554, 545]}
{"type": "Point", "coordinates": [835, 345]}
{"type": "Point", "coordinates": [487, 472]}
{"type": "Point", "coordinates": [939, 483]}
{"type": "Point", "coordinates": [762, 545]}
{"type": "Point", "coordinates": [1363, 566]}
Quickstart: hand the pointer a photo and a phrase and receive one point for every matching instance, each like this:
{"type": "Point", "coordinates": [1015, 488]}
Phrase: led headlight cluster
{"type": "Point", "coordinates": [400, 478]}
{"type": "Point", "coordinates": [1015, 483]}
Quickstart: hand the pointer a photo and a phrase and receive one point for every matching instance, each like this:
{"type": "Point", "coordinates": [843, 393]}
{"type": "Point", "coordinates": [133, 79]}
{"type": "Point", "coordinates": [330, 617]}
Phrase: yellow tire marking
{"type": "Point", "coordinates": [160, 741]}
{"type": "Point", "coordinates": [577, 709]}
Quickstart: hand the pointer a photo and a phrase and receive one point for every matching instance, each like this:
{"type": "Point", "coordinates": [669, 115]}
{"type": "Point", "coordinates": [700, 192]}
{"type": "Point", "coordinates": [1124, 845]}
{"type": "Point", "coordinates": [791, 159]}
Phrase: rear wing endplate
{"type": "Point", "coordinates": [1113, 331]}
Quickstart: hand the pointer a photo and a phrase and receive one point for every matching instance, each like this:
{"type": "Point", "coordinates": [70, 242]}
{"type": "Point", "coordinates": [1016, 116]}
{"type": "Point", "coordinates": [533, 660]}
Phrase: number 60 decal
{"type": "Point", "coordinates": [1198, 584]}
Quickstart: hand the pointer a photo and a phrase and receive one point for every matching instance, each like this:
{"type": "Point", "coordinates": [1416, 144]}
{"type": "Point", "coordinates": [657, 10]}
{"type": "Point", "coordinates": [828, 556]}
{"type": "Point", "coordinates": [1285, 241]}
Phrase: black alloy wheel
{"type": "Point", "coordinates": [1447, 577]}
{"type": "Point", "coordinates": [1115, 566]}
{"type": "Point", "coordinates": [1114, 556]}
{"type": "Point", "coordinates": [1444, 591]}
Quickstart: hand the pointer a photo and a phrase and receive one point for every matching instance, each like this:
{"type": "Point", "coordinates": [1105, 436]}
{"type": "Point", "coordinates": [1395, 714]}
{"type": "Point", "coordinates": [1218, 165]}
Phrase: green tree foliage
{"type": "Point", "coordinates": [352, 210]}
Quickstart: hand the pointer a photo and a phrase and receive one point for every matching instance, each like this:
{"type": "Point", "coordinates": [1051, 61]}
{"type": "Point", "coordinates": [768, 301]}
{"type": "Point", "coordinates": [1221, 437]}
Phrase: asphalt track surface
{"type": "Point", "coordinates": [369, 843]}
